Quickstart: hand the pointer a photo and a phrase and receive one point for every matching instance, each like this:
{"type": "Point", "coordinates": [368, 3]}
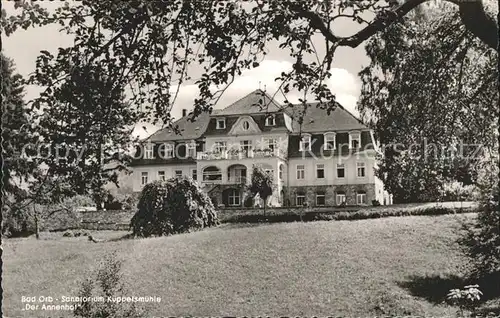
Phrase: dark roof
{"type": "Point", "coordinates": [317, 119]}
{"type": "Point", "coordinates": [256, 102]}
{"type": "Point", "coordinates": [188, 129]}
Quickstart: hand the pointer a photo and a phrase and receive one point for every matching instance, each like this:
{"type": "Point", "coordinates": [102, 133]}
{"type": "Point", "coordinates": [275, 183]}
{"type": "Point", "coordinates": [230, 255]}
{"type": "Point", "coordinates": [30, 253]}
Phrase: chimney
{"type": "Point", "coordinates": [184, 112]}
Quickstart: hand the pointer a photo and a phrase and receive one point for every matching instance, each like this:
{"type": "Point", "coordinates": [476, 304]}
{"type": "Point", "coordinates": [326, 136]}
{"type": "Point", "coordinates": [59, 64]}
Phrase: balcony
{"type": "Point", "coordinates": [240, 154]}
{"type": "Point", "coordinates": [237, 180]}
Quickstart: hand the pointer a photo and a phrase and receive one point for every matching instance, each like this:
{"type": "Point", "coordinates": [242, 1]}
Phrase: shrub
{"type": "Point", "coordinates": [68, 234]}
{"type": "Point", "coordinates": [482, 239]}
{"type": "Point", "coordinates": [173, 206]}
{"type": "Point", "coordinates": [375, 203]}
{"type": "Point", "coordinates": [248, 203]}
{"type": "Point", "coordinates": [457, 191]}
{"type": "Point", "coordinates": [17, 222]}
{"type": "Point", "coordinates": [105, 282]}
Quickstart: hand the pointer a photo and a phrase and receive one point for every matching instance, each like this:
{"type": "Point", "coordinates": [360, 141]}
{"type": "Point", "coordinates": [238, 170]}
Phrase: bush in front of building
{"type": "Point", "coordinates": [172, 206]}
{"type": "Point", "coordinates": [362, 214]}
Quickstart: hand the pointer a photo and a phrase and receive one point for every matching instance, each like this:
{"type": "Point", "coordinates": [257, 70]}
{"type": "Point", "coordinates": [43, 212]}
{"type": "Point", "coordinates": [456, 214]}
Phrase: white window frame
{"type": "Point", "coordinates": [300, 195]}
{"type": "Point", "coordinates": [194, 174]}
{"type": "Point", "coordinates": [281, 170]}
{"type": "Point", "coordinates": [322, 165]}
{"type": "Point", "coordinates": [360, 166]}
{"type": "Point", "coordinates": [245, 123]}
{"type": "Point", "coordinates": [270, 121]}
{"type": "Point", "coordinates": [340, 166]}
{"type": "Point", "coordinates": [361, 195]}
{"type": "Point", "coordinates": [220, 123]}
{"type": "Point", "coordinates": [191, 149]}
{"type": "Point", "coordinates": [330, 137]}
{"type": "Point", "coordinates": [302, 171]}
{"type": "Point", "coordinates": [177, 175]}
{"type": "Point", "coordinates": [323, 194]}
{"type": "Point", "coordinates": [162, 175]}
{"type": "Point", "coordinates": [270, 143]}
{"type": "Point", "coordinates": [168, 150]}
{"type": "Point", "coordinates": [352, 137]}
{"type": "Point", "coordinates": [206, 174]}
{"type": "Point", "coordinates": [144, 178]}
{"type": "Point", "coordinates": [220, 146]}
{"type": "Point", "coordinates": [232, 196]}
{"type": "Point", "coordinates": [148, 151]}
{"type": "Point", "coordinates": [341, 196]}
{"type": "Point", "coordinates": [306, 139]}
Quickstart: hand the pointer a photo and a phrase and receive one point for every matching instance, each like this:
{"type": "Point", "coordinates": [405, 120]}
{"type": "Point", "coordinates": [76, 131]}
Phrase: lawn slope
{"type": "Point", "coordinates": [344, 268]}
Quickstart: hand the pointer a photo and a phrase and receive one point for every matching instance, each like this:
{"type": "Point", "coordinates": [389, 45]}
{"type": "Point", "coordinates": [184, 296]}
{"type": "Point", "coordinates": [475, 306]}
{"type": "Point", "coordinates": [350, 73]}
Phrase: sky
{"type": "Point", "coordinates": [25, 45]}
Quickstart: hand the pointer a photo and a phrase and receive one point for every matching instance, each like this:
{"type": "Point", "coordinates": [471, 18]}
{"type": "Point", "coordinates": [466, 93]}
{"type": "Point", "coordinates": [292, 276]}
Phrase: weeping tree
{"type": "Point", "coordinates": [430, 84]}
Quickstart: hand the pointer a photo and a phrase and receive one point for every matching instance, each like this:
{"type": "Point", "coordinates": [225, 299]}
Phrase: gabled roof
{"type": "Point", "coordinates": [316, 119]}
{"type": "Point", "coordinates": [188, 129]}
{"type": "Point", "coordinates": [256, 102]}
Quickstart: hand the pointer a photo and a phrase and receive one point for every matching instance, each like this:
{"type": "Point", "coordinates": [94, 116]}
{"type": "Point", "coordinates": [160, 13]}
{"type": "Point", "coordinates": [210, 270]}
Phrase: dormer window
{"type": "Point", "coordinates": [221, 123]}
{"type": "Point", "coordinates": [305, 143]}
{"type": "Point", "coordinates": [148, 153]}
{"type": "Point", "coordinates": [329, 141]}
{"type": "Point", "coordinates": [166, 151]}
{"type": "Point", "coordinates": [191, 149]}
{"type": "Point", "coordinates": [354, 140]}
{"type": "Point", "coordinates": [271, 120]}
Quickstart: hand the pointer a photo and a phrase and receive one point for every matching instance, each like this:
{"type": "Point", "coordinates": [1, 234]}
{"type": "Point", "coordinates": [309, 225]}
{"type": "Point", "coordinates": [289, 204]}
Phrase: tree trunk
{"type": "Point", "coordinates": [37, 231]}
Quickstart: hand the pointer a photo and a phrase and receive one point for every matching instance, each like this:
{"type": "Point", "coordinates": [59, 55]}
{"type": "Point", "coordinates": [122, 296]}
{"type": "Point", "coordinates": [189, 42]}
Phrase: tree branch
{"type": "Point", "coordinates": [472, 13]}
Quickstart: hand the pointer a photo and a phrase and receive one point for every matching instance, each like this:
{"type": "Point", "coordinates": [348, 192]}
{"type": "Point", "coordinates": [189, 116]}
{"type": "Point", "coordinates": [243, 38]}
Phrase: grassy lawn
{"type": "Point", "coordinates": [401, 266]}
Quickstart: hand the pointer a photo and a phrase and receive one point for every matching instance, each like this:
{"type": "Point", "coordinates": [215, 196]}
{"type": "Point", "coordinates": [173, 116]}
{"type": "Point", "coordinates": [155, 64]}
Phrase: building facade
{"type": "Point", "coordinates": [316, 158]}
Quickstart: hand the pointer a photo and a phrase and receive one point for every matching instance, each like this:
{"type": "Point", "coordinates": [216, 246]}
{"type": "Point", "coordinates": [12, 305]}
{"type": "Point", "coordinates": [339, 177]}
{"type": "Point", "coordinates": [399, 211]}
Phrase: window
{"type": "Point", "coordinates": [301, 174]}
{"type": "Point", "coordinates": [329, 141]}
{"type": "Point", "coordinates": [271, 120]}
{"type": "Point", "coordinates": [178, 173]}
{"type": "Point", "coordinates": [148, 154]}
{"type": "Point", "coordinates": [221, 123]}
{"type": "Point", "coordinates": [281, 168]}
{"type": "Point", "coordinates": [305, 143]}
{"type": "Point", "coordinates": [212, 174]}
{"type": "Point", "coordinates": [320, 198]}
{"type": "Point", "coordinates": [220, 146]}
{"type": "Point", "coordinates": [246, 125]}
{"type": "Point", "coordinates": [320, 171]}
{"type": "Point", "coordinates": [300, 199]}
{"type": "Point", "coordinates": [161, 175]}
{"type": "Point", "coordinates": [361, 169]}
{"type": "Point", "coordinates": [354, 140]}
{"type": "Point", "coordinates": [270, 143]}
{"type": "Point", "coordinates": [166, 151]}
{"type": "Point", "coordinates": [144, 178]}
{"type": "Point", "coordinates": [194, 174]}
{"type": "Point", "coordinates": [234, 197]}
{"type": "Point", "coordinates": [361, 198]}
{"type": "Point", "coordinates": [246, 146]}
{"type": "Point", "coordinates": [340, 198]}
{"type": "Point", "coordinates": [191, 149]}
{"type": "Point", "coordinates": [340, 170]}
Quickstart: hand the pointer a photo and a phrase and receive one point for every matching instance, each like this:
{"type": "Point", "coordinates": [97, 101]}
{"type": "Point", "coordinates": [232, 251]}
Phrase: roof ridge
{"type": "Point", "coordinates": [265, 94]}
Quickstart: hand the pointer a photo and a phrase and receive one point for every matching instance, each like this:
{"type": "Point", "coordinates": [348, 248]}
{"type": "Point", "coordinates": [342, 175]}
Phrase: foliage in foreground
{"type": "Point", "coordinates": [261, 184]}
{"type": "Point", "coordinates": [105, 282]}
{"type": "Point", "coordinates": [482, 239]}
{"type": "Point", "coordinates": [172, 206]}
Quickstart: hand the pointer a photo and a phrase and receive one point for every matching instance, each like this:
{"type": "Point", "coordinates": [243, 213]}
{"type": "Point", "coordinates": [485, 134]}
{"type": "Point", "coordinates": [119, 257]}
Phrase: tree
{"type": "Point", "coordinates": [261, 184]}
{"type": "Point", "coordinates": [16, 169]}
{"type": "Point", "coordinates": [156, 43]}
{"type": "Point", "coordinates": [172, 206]}
{"type": "Point", "coordinates": [85, 126]}
{"type": "Point", "coordinates": [424, 94]}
